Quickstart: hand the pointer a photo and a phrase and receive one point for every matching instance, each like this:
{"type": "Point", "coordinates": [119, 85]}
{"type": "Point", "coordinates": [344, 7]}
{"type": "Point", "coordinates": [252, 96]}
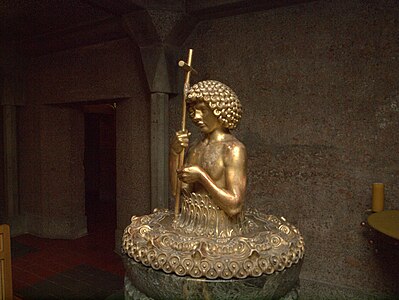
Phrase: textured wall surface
{"type": "Point", "coordinates": [29, 158]}
{"type": "Point", "coordinates": [51, 136]}
{"type": "Point", "coordinates": [51, 171]}
{"type": "Point", "coordinates": [100, 72]}
{"type": "Point", "coordinates": [319, 84]}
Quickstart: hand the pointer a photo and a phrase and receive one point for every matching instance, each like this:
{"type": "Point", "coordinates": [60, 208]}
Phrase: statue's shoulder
{"type": "Point", "coordinates": [235, 145]}
{"type": "Point", "coordinates": [232, 141]}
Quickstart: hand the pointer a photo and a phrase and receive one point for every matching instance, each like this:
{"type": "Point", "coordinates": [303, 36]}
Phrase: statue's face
{"type": "Point", "coordinates": [204, 118]}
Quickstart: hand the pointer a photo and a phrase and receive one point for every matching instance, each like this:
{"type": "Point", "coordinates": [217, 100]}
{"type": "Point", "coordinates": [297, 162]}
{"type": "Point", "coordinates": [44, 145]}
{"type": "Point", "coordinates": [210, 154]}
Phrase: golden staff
{"type": "Point", "coordinates": [188, 68]}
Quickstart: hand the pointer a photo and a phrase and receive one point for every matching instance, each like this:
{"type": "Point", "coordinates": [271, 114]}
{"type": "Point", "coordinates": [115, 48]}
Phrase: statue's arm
{"type": "Point", "coordinates": [179, 144]}
{"type": "Point", "coordinates": [230, 198]}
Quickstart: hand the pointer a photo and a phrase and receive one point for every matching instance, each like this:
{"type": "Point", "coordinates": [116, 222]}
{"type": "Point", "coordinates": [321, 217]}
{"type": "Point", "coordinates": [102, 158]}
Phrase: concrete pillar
{"type": "Point", "coordinates": [11, 197]}
{"type": "Point", "coordinates": [159, 55]}
{"type": "Point", "coordinates": [10, 160]}
{"type": "Point", "coordinates": [159, 150]}
{"type": "Point", "coordinates": [11, 96]}
{"type": "Point", "coordinates": [159, 49]}
{"type": "Point", "coordinates": [133, 158]}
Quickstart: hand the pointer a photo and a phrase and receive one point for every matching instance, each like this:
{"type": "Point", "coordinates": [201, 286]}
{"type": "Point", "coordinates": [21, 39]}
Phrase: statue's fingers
{"type": "Point", "coordinates": [180, 136]}
{"type": "Point", "coordinates": [184, 136]}
{"type": "Point", "coordinates": [185, 178]}
{"type": "Point", "coordinates": [183, 139]}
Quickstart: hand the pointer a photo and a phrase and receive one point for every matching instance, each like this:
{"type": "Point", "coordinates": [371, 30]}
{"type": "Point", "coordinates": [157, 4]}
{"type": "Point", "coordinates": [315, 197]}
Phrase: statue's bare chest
{"type": "Point", "coordinates": [210, 158]}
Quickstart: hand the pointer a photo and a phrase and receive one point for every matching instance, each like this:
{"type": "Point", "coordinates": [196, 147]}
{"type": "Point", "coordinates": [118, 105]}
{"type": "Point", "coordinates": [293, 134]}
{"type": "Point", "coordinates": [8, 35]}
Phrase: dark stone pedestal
{"type": "Point", "coordinates": [143, 282]}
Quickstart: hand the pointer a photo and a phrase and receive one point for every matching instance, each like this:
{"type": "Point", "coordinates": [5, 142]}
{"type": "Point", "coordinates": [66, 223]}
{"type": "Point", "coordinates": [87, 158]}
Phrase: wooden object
{"type": "Point", "coordinates": [5, 263]}
{"type": "Point", "coordinates": [386, 221]}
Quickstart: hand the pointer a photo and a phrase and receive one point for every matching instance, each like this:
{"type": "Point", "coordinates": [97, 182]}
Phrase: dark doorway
{"type": "Point", "coordinates": [100, 167]}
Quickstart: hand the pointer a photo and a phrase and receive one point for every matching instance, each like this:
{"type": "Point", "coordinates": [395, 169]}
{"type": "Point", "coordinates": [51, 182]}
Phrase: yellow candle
{"type": "Point", "coordinates": [378, 197]}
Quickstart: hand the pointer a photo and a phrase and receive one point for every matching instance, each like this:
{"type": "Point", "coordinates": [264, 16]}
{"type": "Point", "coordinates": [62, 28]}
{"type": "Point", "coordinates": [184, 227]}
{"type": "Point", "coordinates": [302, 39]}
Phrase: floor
{"type": "Point", "coordinates": [85, 268]}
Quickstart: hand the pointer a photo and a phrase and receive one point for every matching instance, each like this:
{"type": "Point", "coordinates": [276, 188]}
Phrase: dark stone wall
{"type": "Point", "coordinates": [319, 84]}
{"type": "Point", "coordinates": [50, 171]}
{"type": "Point", "coordinates": [29, 159]}
{"type": "Point", "coordinates": [51, 135]}
{"type": "Point", "coordinates": [99, 72]}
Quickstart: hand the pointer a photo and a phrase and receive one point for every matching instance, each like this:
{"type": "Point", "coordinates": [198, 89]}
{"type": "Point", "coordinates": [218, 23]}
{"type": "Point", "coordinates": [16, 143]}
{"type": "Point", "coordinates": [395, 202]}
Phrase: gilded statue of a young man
{"type": "Point", "coordinates": [216, 165]}
{"type": "Point", "coordinates": [213, 235]}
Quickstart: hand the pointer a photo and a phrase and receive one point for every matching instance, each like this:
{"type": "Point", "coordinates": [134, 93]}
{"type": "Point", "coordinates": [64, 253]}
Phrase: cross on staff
{"type": "Point", "coordinates": [186, 66]}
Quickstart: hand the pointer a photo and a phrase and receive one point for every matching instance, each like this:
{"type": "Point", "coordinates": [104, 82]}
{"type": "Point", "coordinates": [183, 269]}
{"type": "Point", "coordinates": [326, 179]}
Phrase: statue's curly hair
{"type": "Point", "coordinates": [221, 99]}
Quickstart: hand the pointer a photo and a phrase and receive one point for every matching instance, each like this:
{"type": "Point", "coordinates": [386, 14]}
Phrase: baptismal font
{"type": "Point", "coordinates": [212, 242]}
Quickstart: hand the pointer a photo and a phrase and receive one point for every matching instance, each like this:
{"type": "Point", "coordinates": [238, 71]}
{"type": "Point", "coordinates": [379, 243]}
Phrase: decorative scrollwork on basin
{"type": "Point", "coordinates": [268, 244]}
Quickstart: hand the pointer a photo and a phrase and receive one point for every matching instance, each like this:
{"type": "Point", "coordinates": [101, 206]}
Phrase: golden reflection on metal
{"type": "Point", "coordinates": [212, 235]}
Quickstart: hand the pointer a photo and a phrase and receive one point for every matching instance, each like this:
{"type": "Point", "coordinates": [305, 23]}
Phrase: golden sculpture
{"type": "Point", "coordinates": [216, 165]}
{"type": "Point", "coordinates": [212, 235]}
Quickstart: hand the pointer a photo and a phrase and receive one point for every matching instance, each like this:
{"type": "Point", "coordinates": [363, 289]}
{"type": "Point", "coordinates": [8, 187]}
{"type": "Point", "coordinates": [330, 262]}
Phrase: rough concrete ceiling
{"type": "Point", "coordinates": [24, 19]}
{"type": "Point", "coordinates": [220, 8]}
{"type": "Point", "coordinates": [21, 19]}
{"type": "Point", "coordinates": [49, 25]}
